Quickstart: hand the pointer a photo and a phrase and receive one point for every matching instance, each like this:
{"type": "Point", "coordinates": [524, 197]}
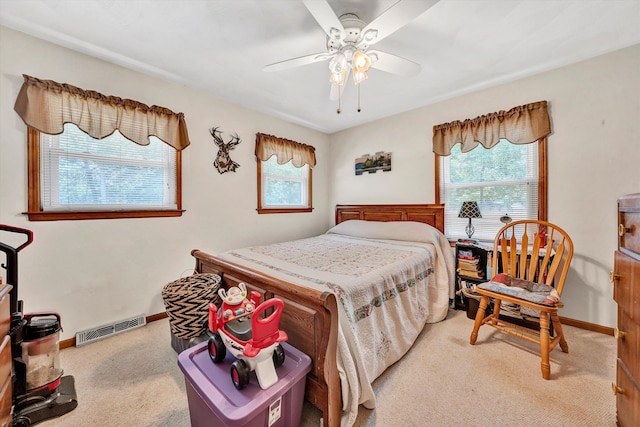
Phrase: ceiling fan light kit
{"type": "Point", "coordinates": [349, 38]}
{"type": "Point", "coordinates": [361, 64]}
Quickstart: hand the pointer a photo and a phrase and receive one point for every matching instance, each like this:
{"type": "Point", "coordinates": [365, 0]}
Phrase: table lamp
{"type": "Point", "coordinates": [469, 210]}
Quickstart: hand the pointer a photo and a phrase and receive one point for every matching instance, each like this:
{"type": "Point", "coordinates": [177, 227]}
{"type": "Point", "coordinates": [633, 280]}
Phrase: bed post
{"type": "Point", "coordinates": [333, 410]}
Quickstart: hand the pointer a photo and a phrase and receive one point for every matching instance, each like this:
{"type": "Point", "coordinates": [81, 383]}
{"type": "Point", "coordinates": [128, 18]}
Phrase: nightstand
{"type": "Point", "coordinates": [473, 262]}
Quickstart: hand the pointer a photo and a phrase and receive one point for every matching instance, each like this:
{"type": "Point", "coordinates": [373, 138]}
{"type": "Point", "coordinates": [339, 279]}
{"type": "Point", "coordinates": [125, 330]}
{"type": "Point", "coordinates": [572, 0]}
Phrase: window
{"type": "Point", "coordinates": [76, 176]}
{"type": "Point", "coordinates": [284, 175]}
{"type": "Point", "coordinates": [91, 156]}
{"type": "Point", "coordinates": [503, 180]}
{"type": "Point", "coordinates": [498, 160]}
{"type": "Point", "coordinates": [284, 187]}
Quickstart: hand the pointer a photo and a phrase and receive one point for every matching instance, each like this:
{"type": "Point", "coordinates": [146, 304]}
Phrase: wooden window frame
{"type": "Point", "coordinates": [543, 179]}
{"type": "Point", "coordinates": [34, 209]}
{"type": "Point", "coordinates": [262, 210]}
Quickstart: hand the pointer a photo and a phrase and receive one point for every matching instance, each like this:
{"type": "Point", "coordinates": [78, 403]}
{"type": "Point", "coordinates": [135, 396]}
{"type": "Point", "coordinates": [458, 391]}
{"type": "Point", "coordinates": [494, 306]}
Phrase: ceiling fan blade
{"type": "Point", "coordinates": [394, 18]}
{"type": "Point", "coordinates": [333, 94]}
{"type": "Point", "coordinates": [393, 64]}
{"type": "Point", "coordinates": [297, 62]}
{"type": "Point", "coordinates": [326, 17]}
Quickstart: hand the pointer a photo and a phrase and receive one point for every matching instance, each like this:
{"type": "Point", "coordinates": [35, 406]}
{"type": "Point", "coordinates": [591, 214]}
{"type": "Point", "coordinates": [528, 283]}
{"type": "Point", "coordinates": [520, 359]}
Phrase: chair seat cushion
{"type": "Point", "coordinates": [523, 289]}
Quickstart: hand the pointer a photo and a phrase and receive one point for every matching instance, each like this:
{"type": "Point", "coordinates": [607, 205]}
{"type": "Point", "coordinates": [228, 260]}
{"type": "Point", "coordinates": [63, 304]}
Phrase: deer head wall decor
{"type": "Point", "coordinates": [223, 162]}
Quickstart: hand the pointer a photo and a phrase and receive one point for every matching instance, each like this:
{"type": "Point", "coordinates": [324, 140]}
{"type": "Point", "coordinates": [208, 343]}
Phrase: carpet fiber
{"type": "Point", "coordinates": [134, 379]}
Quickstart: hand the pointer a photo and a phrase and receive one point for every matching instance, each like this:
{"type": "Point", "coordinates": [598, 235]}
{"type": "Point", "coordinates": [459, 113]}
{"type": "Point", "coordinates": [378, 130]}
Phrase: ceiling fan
{"type": "Point", "coordinates": [349, 39]}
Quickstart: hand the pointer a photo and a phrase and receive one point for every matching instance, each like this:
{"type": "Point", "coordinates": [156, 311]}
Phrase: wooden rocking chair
{"type": "Point", "coordinates": [530, 263]}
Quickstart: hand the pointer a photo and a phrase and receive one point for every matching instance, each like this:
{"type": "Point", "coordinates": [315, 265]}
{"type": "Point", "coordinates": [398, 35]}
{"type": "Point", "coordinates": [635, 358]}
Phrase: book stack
{"type": "Point", "coordinates": [469, 265]}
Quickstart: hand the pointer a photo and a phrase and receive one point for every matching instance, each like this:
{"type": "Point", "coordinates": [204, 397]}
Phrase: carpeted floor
{"type": "Point", "coordinates": [133, 379]}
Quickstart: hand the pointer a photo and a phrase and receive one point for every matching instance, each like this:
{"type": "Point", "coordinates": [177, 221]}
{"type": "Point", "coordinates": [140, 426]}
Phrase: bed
{"type": "Point", "coordinates": [321, 305]}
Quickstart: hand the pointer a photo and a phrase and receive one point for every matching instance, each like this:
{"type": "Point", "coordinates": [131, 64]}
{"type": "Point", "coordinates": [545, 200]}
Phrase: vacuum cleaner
{"type": "Point", "coordinates": [40, 391]}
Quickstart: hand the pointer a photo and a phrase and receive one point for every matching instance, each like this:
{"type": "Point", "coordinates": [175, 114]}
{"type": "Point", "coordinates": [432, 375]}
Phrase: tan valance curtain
{"type": "Point", "coordinates": [285, 150]}
{"type": "Point", "coordinates": [520, 125]}
{"type": "Point", "coordinates": [46, 105]}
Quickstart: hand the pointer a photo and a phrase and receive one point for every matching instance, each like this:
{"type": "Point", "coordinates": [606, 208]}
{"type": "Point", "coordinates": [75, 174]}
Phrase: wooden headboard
{"type": "Point", "coordinates": [429, 214]}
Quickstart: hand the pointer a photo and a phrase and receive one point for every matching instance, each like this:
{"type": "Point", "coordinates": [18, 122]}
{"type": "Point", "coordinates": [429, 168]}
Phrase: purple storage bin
{"type": "Point", "coordinates": [215, 402]}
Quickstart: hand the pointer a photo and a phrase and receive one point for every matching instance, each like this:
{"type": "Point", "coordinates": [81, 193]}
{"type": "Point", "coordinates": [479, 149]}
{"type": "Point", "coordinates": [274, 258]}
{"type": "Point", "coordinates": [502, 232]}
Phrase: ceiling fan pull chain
{"type": "Point", "coordinates": [338, 111]}
{"type": "Point", "coordinates": [358, 98]}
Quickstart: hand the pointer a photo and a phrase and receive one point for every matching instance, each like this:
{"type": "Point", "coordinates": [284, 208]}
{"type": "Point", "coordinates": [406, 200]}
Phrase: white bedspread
{"type": "Point", "coordinates": [390, 279]}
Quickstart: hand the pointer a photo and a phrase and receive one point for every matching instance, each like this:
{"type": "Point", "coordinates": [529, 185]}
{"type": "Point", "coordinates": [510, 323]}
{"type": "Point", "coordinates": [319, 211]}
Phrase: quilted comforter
{"type": "Point", "coordinates": [390, 279]}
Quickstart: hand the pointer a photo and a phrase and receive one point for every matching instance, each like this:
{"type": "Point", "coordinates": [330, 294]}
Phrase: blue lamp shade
{"type": "Point", "coordinates": [469, 210]}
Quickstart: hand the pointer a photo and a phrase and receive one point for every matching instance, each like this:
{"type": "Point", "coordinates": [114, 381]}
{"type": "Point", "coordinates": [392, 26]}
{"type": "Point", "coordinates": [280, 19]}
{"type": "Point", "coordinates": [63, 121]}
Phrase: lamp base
{"type": "Point", "coordinates": [469, 229]}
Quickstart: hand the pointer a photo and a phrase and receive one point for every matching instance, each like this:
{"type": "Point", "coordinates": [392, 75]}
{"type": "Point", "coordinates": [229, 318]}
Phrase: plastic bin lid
{"type": "Point", "coordinates": [212, 382]}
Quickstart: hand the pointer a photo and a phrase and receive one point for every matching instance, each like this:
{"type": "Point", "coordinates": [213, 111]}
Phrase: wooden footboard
{"type": "Point", "coordinates": [310, 319]}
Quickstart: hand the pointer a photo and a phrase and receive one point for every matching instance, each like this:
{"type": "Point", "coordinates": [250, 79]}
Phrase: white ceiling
{"type": "Point", "coordinates": [220, 47]}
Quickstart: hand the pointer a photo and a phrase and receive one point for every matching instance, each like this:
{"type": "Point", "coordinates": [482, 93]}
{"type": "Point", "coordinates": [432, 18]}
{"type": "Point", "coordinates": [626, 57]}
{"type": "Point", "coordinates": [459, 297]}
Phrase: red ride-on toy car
{"type": "Point", "coordinates": [240, 327]}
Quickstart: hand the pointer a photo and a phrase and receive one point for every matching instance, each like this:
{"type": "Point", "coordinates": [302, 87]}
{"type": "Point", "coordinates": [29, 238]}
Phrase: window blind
{"type": "Point", "coordinates": [82, 173]}
{"type": "Point", "coordinates": [502, 180]}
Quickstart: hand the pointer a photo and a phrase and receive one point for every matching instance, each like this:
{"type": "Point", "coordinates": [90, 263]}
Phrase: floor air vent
{"type": "Point", "coordinates": [90, 335]}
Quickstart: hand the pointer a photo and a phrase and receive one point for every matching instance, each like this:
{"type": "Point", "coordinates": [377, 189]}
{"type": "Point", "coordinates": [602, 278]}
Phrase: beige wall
{"type": "Point", "coordinates": [594, 157]}
{"type": "Point", "coordinates": [99, 271]}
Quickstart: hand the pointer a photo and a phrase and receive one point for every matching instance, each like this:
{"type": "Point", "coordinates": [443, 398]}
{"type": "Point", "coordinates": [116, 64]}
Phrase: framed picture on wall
{"type": "Point", "coordinates": [373, 163]}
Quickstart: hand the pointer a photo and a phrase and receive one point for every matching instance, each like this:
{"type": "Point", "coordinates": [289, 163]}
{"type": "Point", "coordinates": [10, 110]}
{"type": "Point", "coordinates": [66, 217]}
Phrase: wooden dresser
{"type": "Point", "coordinates": [626, 293]}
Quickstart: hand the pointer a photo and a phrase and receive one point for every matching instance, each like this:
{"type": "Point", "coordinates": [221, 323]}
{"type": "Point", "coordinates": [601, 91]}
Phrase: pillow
{"type": "Point", "coordinates": [411, 231]}
{"type": "Point", "coordinates": [524, 289]}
